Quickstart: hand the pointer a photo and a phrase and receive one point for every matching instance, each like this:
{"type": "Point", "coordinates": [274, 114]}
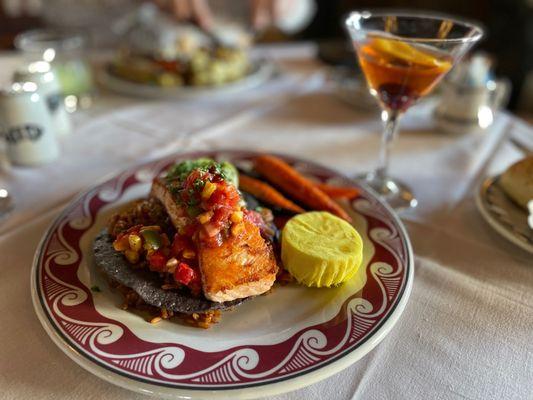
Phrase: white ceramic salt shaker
{"type": "Point", "coordinates": [42, 74]}
{"type": "Point", "coordinates": [26, 125]}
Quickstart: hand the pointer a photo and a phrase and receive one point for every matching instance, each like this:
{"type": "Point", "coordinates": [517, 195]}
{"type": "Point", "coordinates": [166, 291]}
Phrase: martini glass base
{"type": "Point", "coordinates": [397, 194]}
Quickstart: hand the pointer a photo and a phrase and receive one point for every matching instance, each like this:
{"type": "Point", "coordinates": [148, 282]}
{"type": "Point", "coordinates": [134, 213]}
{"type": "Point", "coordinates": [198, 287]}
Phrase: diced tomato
{"type": "Point", "coordinates": [188, 276]}
{"type": "Point", "coordinates": [190, 229]}
{"type": "Point", "coordinates": [184, 274]}
{"type": "Point", "coordinates": [181, 243]}
{"type": "Point", "coordinates": [221, 215]}
{"type": "Point", "coordinates": [157, 261]}
{"type": "Point", "coordinates": [224, 196]}
{"type": "Point", "coordinates": [178, 245]}
{"type": "Point", "coordinates": [193, 176]}
{"type": "Point", "coordinates": [222, 202]}
{"type": "Point", "coordinates": [217, 198]}
{"type": "Point", "coordinates": [217, 179]}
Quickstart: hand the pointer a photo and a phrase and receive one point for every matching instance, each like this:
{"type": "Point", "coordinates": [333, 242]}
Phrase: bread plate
{"type": "Point", "coordinates": [504, 215]}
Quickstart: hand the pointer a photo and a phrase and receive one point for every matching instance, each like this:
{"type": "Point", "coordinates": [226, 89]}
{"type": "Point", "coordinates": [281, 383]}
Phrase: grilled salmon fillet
{"type": "Point", "coordinates": [242, 266]}
{"type": "Point", "coordinates": [161, 192]}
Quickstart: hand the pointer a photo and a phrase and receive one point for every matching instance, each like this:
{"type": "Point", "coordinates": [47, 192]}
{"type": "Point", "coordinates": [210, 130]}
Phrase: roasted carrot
{"type": "Point", "coordinates": [296, 185]}
{"type": "Point", "coordinates": [336, 192]}
{"type": "Point", "coordinates": [264, 192]}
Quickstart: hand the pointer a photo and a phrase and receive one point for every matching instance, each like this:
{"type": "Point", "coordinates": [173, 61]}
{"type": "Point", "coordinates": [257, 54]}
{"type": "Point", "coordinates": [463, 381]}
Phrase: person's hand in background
{"type": "Point", "coordinates": [197, 11]}
{"type": "Point", "coordinates": [287, 15]}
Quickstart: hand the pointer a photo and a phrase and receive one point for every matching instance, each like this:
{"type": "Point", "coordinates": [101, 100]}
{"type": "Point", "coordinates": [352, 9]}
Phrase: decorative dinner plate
{"type": "Point", "coordinates": [275, 343]}
{"type": "Point", "coordinates": [503, 215]}
{"type": "Point", "coordinates": [261, 71]}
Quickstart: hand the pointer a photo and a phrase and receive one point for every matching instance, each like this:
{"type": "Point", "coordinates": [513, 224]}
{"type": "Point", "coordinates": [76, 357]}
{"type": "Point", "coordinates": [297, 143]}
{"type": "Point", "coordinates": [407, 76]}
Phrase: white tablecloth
{"type": "Point", "coordinates": [467, 331]}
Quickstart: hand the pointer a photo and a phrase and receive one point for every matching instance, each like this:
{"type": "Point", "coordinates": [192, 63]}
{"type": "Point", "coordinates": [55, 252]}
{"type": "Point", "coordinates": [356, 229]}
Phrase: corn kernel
{"type": "Point", "coordinates": [189, 254]}
{"type": "Point", "coordinates": [121, 244]}
{"type": "Point", "coordinates": [172, 264]}
{"type": "Point", "coordinates": [236, 217]}
{"type": "Point", "coordinates": [132, 256]}
{"type": "Point", "coordinates": [205, 217]}
{"type": "Point", "coordinates": [236, 229]}
{"type": "Point", "coordinates": [208, 190]}
{"type": "Point", "coordinates": [135, 242]}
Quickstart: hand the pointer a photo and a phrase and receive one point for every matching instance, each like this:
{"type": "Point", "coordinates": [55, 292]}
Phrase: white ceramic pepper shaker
{"type": "Point", "coordinates": [26, 125]}
{"type": "Point", "coordinates": [42, 74]}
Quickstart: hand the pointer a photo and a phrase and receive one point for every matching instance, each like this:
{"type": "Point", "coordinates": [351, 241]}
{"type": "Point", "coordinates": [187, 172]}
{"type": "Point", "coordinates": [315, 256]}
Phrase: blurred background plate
{"type": "Point", "coordinates": [261, 71]}
{"type": "Point", "coordinates": [502, 214]}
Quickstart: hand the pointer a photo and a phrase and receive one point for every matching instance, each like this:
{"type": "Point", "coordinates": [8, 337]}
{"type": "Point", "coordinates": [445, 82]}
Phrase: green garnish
{"type": "Point", "coordinates": [95, 289]}
{"type": "Point", "coordinates": [198, 184]}
{"type": "Point", "coordinates": [152, 239]}
{"type": "Point", "coordinates": [193, 201]}
{"type": "Point", "coordinates": [182, 170]}
{"type": "Point", "coordinates": [174, 188]}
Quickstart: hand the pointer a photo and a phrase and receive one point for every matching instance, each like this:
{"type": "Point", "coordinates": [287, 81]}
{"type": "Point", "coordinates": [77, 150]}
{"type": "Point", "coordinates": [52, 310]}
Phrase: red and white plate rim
{"type": "Point", "coordinates": [312, 355]}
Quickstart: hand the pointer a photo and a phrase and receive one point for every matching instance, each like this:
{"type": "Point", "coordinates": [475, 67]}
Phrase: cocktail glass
{"type": "Point", "coordinates": [403, 56]}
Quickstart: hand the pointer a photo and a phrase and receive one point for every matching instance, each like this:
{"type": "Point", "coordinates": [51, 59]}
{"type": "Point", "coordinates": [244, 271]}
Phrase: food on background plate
{"type": "Point", "coordinates": [517, 181]}
{"type": "Point", "coordinates": [162, 53]}
{"type": "Point", "coordinates": [320, 249]}
{"type": "Point", "coordinates": [199, 245]}
{"type": "Point", "coordinates": [204, 67]}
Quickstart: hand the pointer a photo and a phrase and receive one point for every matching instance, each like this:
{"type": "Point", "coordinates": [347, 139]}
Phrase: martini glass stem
{"type": "Point", "coordinates": [389, 133]}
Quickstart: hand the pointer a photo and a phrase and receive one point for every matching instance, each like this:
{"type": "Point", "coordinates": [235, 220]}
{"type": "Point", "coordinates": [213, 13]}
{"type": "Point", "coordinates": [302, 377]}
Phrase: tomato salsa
{"type": "Point", "coordinates": [211, 209]}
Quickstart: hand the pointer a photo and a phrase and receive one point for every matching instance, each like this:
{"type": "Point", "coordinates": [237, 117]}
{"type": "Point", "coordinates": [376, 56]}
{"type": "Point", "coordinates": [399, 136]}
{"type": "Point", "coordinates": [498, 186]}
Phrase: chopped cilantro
{"type": "Point", "coordinates": [179, 172]}
{"type": "Point", "coordinates": [174, 189]}
{"type": "Point", "coordinates": [193, 201]}
{"type": "Point", "coordinates": [198, 184]}
{"type": "Point", "coordinates": [183, 169]}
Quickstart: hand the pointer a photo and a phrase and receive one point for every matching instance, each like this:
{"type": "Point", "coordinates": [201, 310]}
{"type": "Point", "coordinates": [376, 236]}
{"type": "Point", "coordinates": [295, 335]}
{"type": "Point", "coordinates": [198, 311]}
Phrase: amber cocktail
{"type": "Point", "coordinates": [398, 74]}
{"type": "Point", "coordinates": [403, 57]}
